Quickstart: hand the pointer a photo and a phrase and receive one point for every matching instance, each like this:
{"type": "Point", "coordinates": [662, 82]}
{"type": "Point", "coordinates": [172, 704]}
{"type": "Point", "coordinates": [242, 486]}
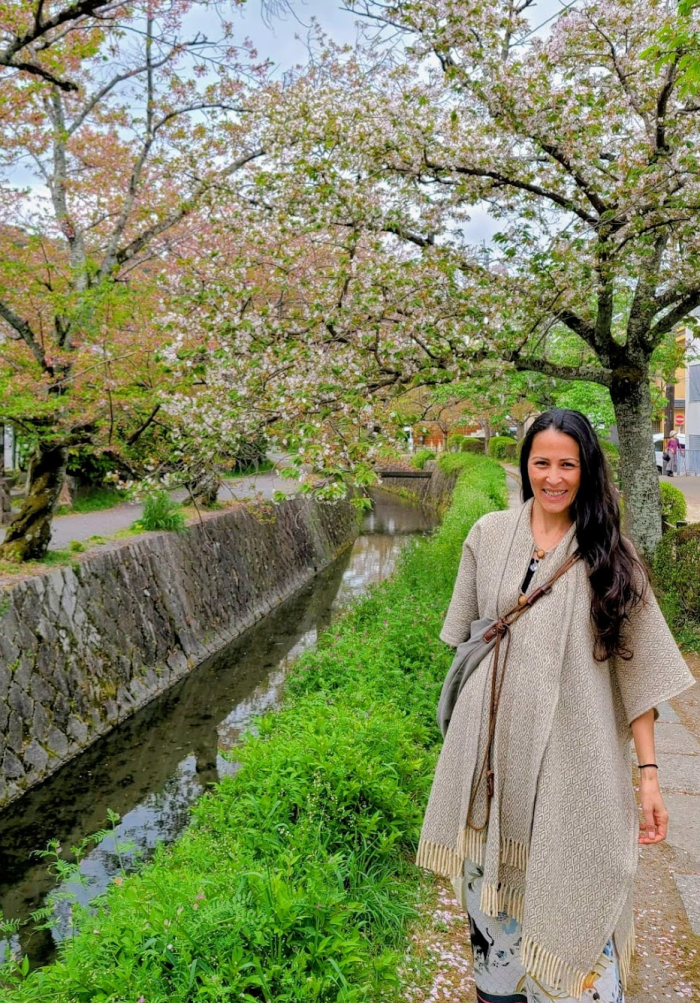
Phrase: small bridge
{"type": "Point", "coordinates": [421, 474]}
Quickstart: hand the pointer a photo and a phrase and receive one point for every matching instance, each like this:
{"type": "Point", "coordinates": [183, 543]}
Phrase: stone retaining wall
{"type": "Point", "coordinates": [83, 647]}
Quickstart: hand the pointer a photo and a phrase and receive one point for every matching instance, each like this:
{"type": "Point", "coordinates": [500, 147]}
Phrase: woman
{"type": "Point", "coordinates": [544, 857]}
{"type": "Point", "coordinates": [672, 447]}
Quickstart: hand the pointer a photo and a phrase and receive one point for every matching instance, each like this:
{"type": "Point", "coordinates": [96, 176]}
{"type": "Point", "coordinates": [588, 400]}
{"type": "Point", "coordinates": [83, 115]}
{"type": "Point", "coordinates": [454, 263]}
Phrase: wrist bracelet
{"type": "Point", "coordinates": [647, 766]}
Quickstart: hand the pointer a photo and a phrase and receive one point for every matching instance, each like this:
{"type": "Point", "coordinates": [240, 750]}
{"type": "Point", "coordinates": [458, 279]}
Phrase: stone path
{"type": "Point", "coordinates": [67, 528]}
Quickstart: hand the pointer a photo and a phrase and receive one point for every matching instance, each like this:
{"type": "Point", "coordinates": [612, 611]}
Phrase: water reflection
{"type": "Point", "coordinates": [154, 766]}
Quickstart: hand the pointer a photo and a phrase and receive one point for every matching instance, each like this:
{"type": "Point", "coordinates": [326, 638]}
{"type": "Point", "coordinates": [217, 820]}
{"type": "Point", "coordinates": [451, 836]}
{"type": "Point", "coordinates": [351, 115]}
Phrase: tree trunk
{"type": "Point", "coordinates": [29, 533]}
{"type": "Point", "coordinates": [205, 490]}
{"type": "Point", "coordinates": [639, 479]}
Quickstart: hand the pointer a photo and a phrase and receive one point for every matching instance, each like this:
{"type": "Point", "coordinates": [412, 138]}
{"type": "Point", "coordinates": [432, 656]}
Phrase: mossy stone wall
{"type": "Point", "coordinates": [82, 648]}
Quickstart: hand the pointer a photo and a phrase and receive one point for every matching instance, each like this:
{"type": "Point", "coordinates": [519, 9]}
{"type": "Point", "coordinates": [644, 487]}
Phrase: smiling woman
{"type": "Point", "coordinates": [545, 861]}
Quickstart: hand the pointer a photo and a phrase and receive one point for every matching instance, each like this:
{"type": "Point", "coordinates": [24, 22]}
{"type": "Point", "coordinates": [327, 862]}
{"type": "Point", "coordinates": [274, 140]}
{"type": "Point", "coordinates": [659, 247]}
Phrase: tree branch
{"type": "Point", "coordinates": [674, 316]}
{"type": "Point", "coordinates": [40, 27]}
{"type": "Point", "coordinates": [127, 252]}
{"type": "Point", "coordinates": [503, 179]}
{"type": "Point", "coordinates": [588, 374]}
{"type": "Point", "coordinates": [25, 332]}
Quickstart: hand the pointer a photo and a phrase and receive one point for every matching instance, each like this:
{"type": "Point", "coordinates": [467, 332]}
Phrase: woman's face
{"type": "Point", "coordinates": [554, 469]}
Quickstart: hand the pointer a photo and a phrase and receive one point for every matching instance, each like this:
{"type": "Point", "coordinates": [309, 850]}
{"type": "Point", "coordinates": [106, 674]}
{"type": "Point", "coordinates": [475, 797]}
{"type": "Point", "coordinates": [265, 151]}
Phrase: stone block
{"type": "Point", "coordinates": [40, 723]}
{"type": "Point", "coordinates": [5, 677]}
{"type": "Point", "coordinates": [15, 732]}
{"type": "Point", "coordinates": [9, 652]}
{"type": "Point", "coordinates": [77, 730]}
{"type": "Point", "coordinates": [24, 669]}
{"type": "Point", "coordinates": [57, 742]}
{"type": "Point", "coordinates": [4, 716]}
{"type": "Point", "coordinates": [689, 887]}
{"type": "Point", "coordinates": [35, 758]}
{"type": "Point", "coordinates": [21, 702]}
{"type": "Point", "coordinates": [42, 690]}
{"type": "Point", "coordinates": [11, 766]}
{"type": "Point", "coordinates": [61, 711]}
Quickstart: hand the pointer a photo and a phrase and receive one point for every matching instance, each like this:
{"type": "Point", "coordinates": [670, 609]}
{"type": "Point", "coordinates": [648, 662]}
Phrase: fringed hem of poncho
{"type": "Point", "coordinates": [539, 963]}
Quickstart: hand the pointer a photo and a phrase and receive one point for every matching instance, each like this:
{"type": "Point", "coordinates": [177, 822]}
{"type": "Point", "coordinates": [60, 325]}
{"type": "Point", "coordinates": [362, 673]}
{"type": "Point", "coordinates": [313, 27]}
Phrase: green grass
{"type": "Point", "coordinates": [294, 882]}
{"type": "Point", "coordinates": [96, 500]}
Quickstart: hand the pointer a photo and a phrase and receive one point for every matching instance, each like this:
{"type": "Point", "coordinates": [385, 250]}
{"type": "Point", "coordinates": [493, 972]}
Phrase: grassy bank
{"type": "Point", "coordinates": [294, 882]}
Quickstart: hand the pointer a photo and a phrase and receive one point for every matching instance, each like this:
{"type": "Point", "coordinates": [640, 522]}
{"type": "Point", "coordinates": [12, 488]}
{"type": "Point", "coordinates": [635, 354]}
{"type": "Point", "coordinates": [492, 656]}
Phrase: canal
{"type": "Point", "coordinates": [153, 767]}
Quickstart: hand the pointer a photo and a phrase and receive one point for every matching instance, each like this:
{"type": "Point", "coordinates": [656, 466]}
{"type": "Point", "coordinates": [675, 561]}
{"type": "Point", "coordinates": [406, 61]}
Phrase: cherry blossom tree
{"type": "Point", "coordinates": [153, 121]}
{"type": "Point", "coordinates": [582, 148]}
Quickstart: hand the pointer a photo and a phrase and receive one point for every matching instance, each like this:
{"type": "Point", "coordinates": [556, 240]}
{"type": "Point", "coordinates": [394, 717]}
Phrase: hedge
{"type": "Point", "coordinates": [674, 507]}
{"type": "Point", "coordinates": [465, 444]}
{"type": "Point", "coordinates": [421, 457]}
{"type": "Point", "coordinates": [498, 444]}
{"type": "Point", "coordinates": [294, 880]}
{"type": "Point", "coordinates": [677, 582]}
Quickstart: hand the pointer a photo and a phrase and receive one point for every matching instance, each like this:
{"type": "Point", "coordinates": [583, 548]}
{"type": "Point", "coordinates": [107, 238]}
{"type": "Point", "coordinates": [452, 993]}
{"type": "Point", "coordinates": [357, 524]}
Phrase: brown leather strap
{"type": "Point", "coordinates": [499, 630]}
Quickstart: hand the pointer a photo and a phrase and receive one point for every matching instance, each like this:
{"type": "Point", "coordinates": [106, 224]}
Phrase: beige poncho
{"type": "Point", "coordinates": [562, 849]}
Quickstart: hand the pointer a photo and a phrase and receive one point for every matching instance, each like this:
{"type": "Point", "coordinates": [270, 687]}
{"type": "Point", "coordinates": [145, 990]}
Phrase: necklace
{"type": "Point", "coordinates": [538, 554]}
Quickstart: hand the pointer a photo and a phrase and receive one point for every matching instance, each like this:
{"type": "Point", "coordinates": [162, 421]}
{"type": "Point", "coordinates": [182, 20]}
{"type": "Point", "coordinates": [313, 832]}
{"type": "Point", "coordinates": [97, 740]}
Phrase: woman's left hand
{"type": "Point", "coordinates": [653, 824]}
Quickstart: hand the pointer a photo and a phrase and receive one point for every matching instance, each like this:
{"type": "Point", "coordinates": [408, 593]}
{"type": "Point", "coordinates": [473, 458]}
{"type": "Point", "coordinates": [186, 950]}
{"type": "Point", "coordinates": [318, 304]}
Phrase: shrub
{"type": "Point", "coordinates": [673, 504]}
{"type": "Point", "coordinates": [473, 445]}
{"type": "Point", "coordinates": [421, 457]}
{"type": "Point", "coordinates": [465, 444]}
{"type": "Point", "coordinates": [510, 452]}
{"type": "Point", "coordinates": [677, 576]}
{"type": "Point", "coordinates": [497, 446]}
{"type": "Point", "coordinates": [161, 512]}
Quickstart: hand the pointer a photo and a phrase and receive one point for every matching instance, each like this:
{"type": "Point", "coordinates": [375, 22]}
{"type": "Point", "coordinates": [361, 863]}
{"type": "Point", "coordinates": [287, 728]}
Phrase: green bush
{"type": "Point", "coordinates": [421, 457]}
{"type": "Point", "coordinates": [677, 577]}
{"type": "Point", "coordinates": [497, 446]}
{"type": "Point", "coordinates": [510, 452]}
{"type": "Point", "coordinates": [465, 444]}
{"type": "Point", "coordinates": [161, 512]}
{"type": "Point", "coordinates": [473, 445]}
{"type": "Point", "coordinates": [294, 881]}
{"type": "Point", "coordinates": [673, 504]}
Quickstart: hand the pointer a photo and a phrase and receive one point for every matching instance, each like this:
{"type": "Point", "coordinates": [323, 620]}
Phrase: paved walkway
{"type": "Point", "coordinates": [67, 528]}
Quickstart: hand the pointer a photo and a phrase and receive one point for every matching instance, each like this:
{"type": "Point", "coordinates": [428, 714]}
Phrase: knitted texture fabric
{"type": "Point", "coordinates": [560, 849]}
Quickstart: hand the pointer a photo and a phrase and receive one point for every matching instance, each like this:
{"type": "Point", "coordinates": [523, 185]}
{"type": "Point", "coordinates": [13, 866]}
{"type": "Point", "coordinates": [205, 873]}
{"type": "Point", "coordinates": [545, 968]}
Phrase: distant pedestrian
{"type": "Point", "coordinates": [532, 811]}
{"type": "Point", "coordinates": [672, 449]}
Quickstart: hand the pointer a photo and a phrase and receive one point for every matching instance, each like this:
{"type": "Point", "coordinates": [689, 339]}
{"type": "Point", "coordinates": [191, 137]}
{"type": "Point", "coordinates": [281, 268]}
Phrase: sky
{"type": "Point", "coordinates": [277, 40]}
{"type": "Point", "coordinates": [281, 38]}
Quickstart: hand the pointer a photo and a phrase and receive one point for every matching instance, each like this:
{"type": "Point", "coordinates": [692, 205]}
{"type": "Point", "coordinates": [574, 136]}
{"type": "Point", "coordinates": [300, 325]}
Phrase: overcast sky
{"type": "Point", "coordinates": [277, 40]}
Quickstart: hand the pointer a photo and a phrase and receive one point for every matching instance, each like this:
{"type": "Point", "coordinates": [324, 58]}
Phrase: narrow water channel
{"type": "Point", "coordinates": [150, 769]}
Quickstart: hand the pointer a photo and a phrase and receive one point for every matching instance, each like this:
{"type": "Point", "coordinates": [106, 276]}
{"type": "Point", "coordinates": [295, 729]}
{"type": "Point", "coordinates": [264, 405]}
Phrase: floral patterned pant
{"type": "Point", "coordinates": [499, 975]}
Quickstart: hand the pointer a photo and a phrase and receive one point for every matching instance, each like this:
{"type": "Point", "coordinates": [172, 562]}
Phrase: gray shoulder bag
{"type": "Point", "coordinates": [485, 635]}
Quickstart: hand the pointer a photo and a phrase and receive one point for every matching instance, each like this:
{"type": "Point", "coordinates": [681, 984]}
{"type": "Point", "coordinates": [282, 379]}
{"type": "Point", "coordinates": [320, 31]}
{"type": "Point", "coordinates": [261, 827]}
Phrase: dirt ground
{"type": "Point", "coordinates": [668, 953]}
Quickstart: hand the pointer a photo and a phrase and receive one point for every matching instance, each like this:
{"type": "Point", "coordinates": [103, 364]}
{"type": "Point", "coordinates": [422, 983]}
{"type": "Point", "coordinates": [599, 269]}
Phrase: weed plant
{"type": "Point", "coordinates": [294, 882]}
{"type": "Point", "coordinates": [160, 512]}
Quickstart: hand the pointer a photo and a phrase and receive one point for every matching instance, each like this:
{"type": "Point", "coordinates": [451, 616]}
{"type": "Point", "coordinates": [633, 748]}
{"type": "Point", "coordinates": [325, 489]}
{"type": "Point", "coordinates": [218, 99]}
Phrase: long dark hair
{"type": "Point", "coordinates": [616, 575]}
